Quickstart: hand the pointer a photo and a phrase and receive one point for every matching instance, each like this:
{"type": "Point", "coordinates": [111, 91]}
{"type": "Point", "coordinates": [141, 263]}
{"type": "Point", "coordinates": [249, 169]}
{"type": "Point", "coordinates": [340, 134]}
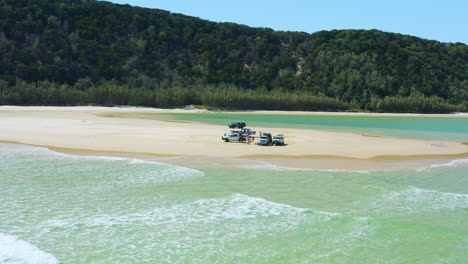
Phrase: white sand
{"type": "Point", "coordinates": [82, 128]}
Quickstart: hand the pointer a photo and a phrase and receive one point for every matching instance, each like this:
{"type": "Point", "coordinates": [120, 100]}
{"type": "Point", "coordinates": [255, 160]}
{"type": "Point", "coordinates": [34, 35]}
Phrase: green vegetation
{"type": "Point", "coordinates": [75, 52]}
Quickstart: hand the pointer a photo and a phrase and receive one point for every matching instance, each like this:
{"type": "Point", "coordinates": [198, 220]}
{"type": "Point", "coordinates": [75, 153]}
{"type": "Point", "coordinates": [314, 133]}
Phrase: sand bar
{"type": "Point", "coordinates": [88, 129]}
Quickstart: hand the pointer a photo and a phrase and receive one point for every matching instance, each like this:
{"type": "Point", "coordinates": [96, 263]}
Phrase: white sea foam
{"type": "Point", "coordinates": [163, 173]}
{"type": "Point", "coordinates": [17, 251]}
{"type": "Point", "coordinates": [208, 227]}
{"type": "Point", "coordinates": [7, 149]}
{"type": "Point", "coordinates": [205, 227]}
{"type": "Point", "coordinates": [281, 168]}
{"type": "Point", "coordinates": [261, 165]}
{"type": "Point", "coordinates": [269, 166]}
{"type": "Point", "coordinates": [453, 163]}
{"type": "Point", "coordinates": [234, 217]}
{"type": "Point", "coordinates": [412, 200]}
{"type": "Point", "coordinates": [235, 207]}
{"type": "Point", "coordinates": [17, 149]}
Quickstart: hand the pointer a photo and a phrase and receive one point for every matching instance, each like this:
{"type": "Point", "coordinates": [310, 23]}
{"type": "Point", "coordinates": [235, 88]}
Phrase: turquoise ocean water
{"type": "Point", "coordinates": [418, 127]}
{"type": "Point", "coordinates": [57, 208]}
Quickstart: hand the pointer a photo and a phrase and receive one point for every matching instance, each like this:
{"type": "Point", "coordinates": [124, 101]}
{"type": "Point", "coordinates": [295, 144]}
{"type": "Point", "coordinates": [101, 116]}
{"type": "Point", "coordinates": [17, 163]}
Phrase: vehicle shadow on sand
{"type": "Point", "coordinates": [282, 145]}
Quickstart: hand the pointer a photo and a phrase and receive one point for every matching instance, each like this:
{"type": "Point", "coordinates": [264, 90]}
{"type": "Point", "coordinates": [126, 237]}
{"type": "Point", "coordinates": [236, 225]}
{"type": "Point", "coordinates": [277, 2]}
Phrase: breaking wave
{"type": "Point", "coordinates": [412, 200]}
{"type": "Point", "coordinates": [161, 173]}
{"type": "Point", "coordinates": [453, 163]}
{"type": "Point", "coordinates": [16, 251]}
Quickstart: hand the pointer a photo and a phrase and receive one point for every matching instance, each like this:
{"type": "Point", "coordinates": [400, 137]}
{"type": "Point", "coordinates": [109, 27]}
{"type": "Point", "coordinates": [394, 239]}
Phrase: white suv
{"type": "Point", "coordinates": [278, 140]}
{"type": "Point", "coordinates": [231, 137]}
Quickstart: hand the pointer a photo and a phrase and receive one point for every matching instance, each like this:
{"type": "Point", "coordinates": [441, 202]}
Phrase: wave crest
{"type": "Point", "coordinates": [17, 251]}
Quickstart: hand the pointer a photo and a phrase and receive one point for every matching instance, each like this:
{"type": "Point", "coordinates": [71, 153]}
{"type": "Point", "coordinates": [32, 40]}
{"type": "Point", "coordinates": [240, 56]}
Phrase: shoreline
{"type": "Point", "coordinates": [137, 109]}
{"type": "Point", "coordinates": [275, 162]}
{"type": "Point", "coordinates": [87, 131]}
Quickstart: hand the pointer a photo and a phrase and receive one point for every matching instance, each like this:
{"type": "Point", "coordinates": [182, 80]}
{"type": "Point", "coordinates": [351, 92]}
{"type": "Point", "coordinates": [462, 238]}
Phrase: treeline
{"type": "Point", "coordinates": [226, 97]}
{"type": "Point", "coordinates": [94, 44]}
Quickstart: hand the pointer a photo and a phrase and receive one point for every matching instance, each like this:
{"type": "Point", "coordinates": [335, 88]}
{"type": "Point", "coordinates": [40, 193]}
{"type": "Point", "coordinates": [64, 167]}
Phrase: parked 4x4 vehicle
{"type": "Point", "coordinates": [231, 137]}
{"type": "Point", "coordinates": [265, 139]}
{"type": "Point", "coordinates": [278, 140]}
{"type": "Point", "coordinates": [237, 125]}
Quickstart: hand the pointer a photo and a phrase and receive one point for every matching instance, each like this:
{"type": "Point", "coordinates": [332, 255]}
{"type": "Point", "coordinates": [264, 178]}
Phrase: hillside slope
{"type": "Point", "coordinates": [90, 43]}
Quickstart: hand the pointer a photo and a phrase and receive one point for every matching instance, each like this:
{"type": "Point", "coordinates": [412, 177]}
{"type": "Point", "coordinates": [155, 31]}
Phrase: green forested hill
{"type": "Point", "coordinates": [69, 52]}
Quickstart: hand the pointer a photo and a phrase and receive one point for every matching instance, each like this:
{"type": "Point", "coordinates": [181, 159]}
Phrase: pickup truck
{"type": "Point", "coordinates": [278, 140]}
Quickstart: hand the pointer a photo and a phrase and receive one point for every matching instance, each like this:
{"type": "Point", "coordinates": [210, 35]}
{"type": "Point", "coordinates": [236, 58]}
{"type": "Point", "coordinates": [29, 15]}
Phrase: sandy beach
{"type": "Point", "coordinates": [91, 131]}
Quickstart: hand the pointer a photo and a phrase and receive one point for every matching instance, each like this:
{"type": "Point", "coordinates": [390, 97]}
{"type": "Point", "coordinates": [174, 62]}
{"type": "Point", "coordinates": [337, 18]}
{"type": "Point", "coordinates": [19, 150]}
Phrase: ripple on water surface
{"type": "Point", "coordinates": [117, 210]}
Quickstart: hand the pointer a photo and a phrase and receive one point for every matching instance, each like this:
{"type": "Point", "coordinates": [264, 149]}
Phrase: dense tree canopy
{"type": "Point", "coordinates": [87, 45]}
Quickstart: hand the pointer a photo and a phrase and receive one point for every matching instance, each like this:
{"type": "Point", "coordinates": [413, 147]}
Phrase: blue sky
{"type": "Point", "coordinates": [445, 21]}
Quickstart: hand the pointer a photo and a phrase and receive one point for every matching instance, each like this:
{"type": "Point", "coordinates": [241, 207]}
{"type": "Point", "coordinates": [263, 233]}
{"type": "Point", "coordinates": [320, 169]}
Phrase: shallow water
{"type": "Point", "coordinates": [57, 208]}
{"type": "Point", "coordinates": [431, 128]}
